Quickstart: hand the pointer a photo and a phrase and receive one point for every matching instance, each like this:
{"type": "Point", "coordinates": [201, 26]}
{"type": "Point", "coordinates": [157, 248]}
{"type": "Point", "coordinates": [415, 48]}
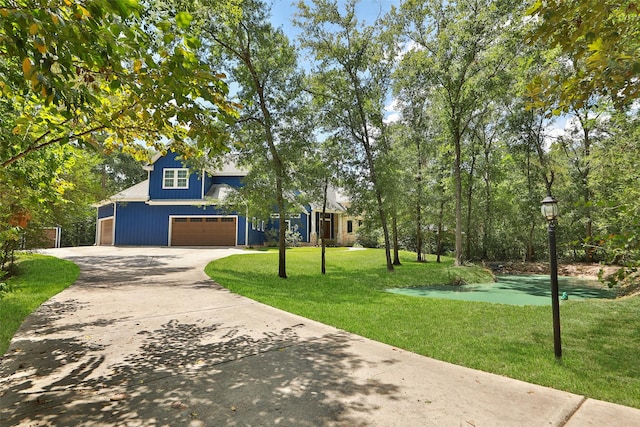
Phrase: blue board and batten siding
{"type": "Point", "coordinates": [105, 211]}
{"type": "Point", "coordinates": [302, 225]}
{"type": "Point", "coordinates": [140, 224]}
{"type": "Point", "coordinates": [156, 192]}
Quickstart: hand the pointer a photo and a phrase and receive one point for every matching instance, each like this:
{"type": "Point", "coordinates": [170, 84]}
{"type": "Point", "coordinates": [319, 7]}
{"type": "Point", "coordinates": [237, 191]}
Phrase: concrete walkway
{"type": "Point", "coordinates": [145, 338]}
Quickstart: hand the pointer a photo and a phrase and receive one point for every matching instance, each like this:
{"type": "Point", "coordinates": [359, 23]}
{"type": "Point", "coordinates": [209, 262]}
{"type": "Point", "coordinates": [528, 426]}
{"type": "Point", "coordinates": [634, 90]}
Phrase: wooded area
{"type": "Point", "coordinates": [440, 119]}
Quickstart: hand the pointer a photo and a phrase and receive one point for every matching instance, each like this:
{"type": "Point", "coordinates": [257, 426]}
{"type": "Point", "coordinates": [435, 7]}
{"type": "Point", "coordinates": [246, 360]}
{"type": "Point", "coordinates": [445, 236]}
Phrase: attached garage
{"type": "Point", "coordinates": [203, 231]}
{"type": "Point", "coordinates": [106, 231]}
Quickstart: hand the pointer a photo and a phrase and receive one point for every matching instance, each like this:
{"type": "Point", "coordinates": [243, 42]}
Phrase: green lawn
{"type": "Point", "coordinates": [39, 278]}
{"type": "Point", "coordinates": [601, 338]}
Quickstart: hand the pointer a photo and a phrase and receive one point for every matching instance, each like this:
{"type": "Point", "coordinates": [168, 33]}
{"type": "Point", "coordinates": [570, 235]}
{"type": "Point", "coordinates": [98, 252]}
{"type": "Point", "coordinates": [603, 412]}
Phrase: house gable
{"type": "Point", "coordinates": [171, 180]}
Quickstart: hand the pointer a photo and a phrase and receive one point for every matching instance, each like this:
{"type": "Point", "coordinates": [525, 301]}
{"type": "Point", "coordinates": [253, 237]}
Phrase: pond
{"type": "Point", "coordinates": [514, 290]}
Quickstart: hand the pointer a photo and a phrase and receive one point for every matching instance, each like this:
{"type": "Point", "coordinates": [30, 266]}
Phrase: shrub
{"type": "Point", "coordinates": [369, 238]}
{"type": "Point", "coordinates": [291, 238]}
{"type": "Point", "coordinates": [5, 288]}
{"type": "Point", "coordinates": [9, 242]}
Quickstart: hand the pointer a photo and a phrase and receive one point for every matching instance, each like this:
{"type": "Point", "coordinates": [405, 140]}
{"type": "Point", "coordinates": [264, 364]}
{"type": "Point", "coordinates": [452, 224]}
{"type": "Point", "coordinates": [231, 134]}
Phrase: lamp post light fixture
{"type": "Point", "coordinates": [550, 212]}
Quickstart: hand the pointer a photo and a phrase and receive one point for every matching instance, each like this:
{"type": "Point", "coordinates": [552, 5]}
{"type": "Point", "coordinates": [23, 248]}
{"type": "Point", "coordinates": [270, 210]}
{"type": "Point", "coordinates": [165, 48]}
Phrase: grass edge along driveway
{"type": "Point", "coordinates": [38, 278]}
{"type": "Point", "coordinates": [600, 338]}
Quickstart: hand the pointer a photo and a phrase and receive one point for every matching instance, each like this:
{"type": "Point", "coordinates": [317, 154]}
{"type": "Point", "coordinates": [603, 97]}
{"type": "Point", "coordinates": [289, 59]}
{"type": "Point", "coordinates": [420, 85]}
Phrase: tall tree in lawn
{"type": "Point", "coordinates": [352, 68]}
{"type": "Point", "coordinates": [272, 125]}
{"type": "Point", "coordinates": [77, 69]}
{"type": "Point", "coordinates": [411, 137]}
{"type": "Point", "coordinates": [390, 174]}
{"type": "Point", "coordinates": [458, 48]}
{"type": "Point", "coordinates": [321, 171]}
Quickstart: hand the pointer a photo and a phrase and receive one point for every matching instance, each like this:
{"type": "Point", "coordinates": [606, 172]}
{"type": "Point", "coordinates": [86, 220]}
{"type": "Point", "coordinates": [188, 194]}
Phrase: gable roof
{"type": "Point", "coordinates": [219, 191]}
{"type": "Point", "coordinates": [136, 193]}
{"type": "Point", "coordinates": [335, 201]}
{"type": "Point", "coordinates": [229, 166]}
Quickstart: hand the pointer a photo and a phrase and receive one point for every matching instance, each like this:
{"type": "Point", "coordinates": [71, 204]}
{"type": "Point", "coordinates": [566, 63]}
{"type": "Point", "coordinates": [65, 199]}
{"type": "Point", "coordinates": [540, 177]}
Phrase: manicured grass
{"type": "Point", "coordinates": [600, 338]}
{"type": "Point", "coordinates": [39, 278]}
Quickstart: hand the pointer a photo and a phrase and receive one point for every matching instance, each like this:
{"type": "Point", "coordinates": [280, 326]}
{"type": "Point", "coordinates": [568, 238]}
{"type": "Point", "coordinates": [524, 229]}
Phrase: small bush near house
{"type": "Point", "coordinates": [292, 238]}
{"type": "Point", "coordinates": [369, 238]}
{"type": "Point", "coordinates": [271, 238]}
{"type": "Point", "coordinates": [330, 243]}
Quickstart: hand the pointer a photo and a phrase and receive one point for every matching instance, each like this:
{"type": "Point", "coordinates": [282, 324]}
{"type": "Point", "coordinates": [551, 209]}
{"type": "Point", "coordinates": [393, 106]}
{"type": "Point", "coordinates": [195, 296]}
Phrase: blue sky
{"type": "Point", "coordinates": [368, 10]}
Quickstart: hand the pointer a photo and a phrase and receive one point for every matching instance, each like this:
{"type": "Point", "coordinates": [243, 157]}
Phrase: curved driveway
{"type": "Point", "coordinates": [145, 338]}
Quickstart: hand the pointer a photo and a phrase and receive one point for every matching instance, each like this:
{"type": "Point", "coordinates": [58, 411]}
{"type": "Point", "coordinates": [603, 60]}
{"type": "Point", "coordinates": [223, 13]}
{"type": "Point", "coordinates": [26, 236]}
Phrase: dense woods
{"type": "Point", "coordinates": [446, 122]}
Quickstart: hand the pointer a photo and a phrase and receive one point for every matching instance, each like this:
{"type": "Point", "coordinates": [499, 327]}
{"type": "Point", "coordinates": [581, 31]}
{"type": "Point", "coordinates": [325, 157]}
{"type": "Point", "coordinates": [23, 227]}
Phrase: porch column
{"type": "Point", "coordinates": [339, 236]}
{"type": "Point", "coordinates": [312, 232]}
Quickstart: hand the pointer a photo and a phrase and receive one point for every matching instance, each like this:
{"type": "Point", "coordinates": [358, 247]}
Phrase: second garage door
{"type": "Point", "coordinates": [106, 232]}
{"type": "Point", "coordinates": [203, 231]}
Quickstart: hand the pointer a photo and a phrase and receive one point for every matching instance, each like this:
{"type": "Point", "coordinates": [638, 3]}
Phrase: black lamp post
{"type": "Point", "coordinates": [550, 212]}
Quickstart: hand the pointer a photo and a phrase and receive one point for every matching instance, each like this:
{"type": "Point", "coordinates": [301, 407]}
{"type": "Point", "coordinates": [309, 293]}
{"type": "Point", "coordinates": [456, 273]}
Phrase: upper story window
{"type": "Point", "coordinates": [175, 178]}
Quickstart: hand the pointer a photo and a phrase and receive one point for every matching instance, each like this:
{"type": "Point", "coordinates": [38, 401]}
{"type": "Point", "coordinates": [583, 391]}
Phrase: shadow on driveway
{"type": "Point", "coordinates": [185, 372]}
{"type": "Point", "coordinates": [120, 348]}
{"type": "Point", "coordinates": [109, 271]}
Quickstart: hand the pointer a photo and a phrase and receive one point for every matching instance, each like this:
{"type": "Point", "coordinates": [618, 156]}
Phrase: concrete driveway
{"type": "Point", "coordinates": [145, 338]}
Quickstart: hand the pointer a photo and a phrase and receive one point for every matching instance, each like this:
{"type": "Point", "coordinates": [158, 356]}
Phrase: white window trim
{"type": "Point", "coordinates": [175, 179]}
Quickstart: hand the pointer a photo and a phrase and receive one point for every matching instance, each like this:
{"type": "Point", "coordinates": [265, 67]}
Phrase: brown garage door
{"type": "Point", "coordinates": [203, 231]}
{"type": "Point", "coordinates": [106, 232]}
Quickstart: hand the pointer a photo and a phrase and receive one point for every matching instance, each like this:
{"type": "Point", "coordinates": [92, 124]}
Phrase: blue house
{"type": "Point", "coordinates": [176, 206]}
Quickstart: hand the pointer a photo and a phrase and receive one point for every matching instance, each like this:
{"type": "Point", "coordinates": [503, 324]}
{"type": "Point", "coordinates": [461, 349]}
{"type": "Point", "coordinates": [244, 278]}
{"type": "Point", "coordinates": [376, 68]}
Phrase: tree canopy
{"type": "Point", "coordinates": [603, 36]}
{"type": "Point", "coordinates": [73, 69]}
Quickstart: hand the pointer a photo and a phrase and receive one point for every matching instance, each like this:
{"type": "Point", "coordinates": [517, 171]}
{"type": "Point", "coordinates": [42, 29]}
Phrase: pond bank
{"type": "Point", "coordinates": [586, 271]}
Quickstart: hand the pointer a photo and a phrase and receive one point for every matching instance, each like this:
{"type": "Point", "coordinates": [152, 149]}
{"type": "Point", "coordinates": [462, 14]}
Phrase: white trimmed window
{"type": "Point", "coordinates": [175, 178]}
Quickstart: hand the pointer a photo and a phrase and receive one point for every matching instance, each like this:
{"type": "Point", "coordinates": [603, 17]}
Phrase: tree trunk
{"type": "Point", "coordinates": [323, 268]}
{"type": "Point", "coordinates": [396, 250]}
{"type": "Point", "coordinates": [276, 162]}
{"type": "Point", "coordinates": [282, 243]}
{"type": "Point", "coordinates": [589, 248]}
{"type": "Point", "coordinates": [458, 209]}
{"type": "Point", "coordinates": [385, 231]}
{"type": "Point", "coordinates": [530, 249]}
{"type": "Point", "coordinates": [419, 256]}
{"type": "Point", "coordinates": [488, 214]}
{"type": "Point", "coordinates": [364, 140]}
{"type": "Point", "coordinates": [469, 202]}
{"type": "Point", "coordinates": [440, 227]}
{"type": "Point", "coordinates": [530, 257]}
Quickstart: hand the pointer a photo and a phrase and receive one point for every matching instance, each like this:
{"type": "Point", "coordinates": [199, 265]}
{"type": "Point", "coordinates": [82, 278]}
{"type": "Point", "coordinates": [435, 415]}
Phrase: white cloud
{"type": "Point", "coordinates": [392, 118]}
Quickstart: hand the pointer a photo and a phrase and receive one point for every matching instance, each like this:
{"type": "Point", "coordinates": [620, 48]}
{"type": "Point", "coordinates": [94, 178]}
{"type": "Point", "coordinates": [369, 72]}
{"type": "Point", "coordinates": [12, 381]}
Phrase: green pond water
{"type": "Point", "coordinates": [514, 290]}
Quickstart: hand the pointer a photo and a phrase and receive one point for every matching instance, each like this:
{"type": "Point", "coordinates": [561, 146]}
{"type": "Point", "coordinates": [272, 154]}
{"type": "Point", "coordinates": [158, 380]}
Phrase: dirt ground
{"type": "Point", "coordinates": [588, 271]}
